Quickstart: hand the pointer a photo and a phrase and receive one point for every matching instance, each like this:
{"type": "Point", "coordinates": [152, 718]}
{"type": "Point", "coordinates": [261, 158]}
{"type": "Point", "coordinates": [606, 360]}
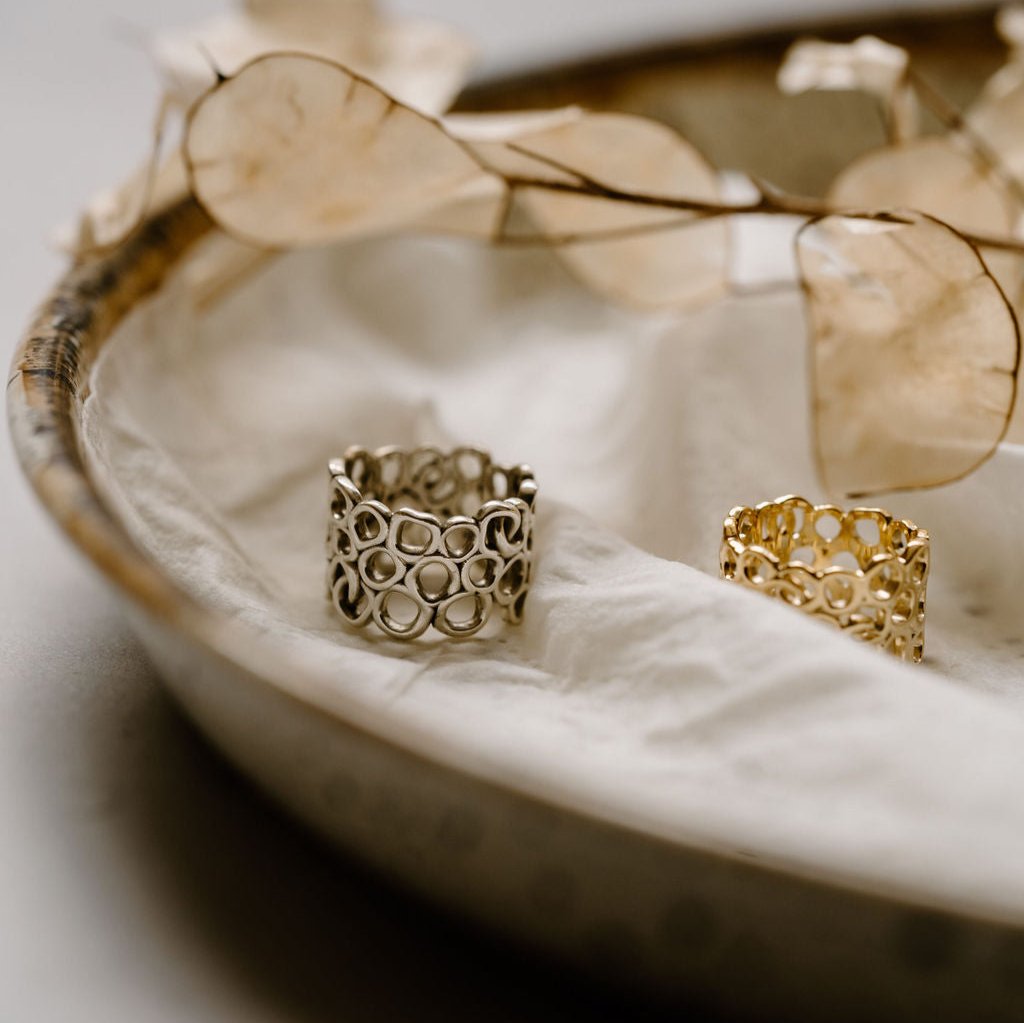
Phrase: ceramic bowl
{"type": "Point", "coordinates": [686, 920]}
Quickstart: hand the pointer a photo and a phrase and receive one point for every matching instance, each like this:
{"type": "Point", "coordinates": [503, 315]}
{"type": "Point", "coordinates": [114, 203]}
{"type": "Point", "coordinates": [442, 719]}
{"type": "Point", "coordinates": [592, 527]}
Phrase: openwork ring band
{"type": "Point", "coordinates": [421, 537]}
{"type": "Point", "coordinates": [862, 570]}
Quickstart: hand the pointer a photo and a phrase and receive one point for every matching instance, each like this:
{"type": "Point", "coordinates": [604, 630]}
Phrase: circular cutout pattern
{"type": "Point", "coordinates": [758, 567]}
{"type": "Point", "coordinates": [414, 534]}
{"type": "Point", "coordinates": [480, 573]}
{"type": "Point", "coordinates": [369, 524]}
{"type": "Point", "coordinates": [434, 579]}
{"type": "Point", "coordinates": [378, 568]}
{"type": "Point", "coordinates": [884, 580]}
{"type": "Point", "coordinates": [461, 538]}
{"type": "Point", "coordinates": [463, 614]}
{"type": "Point", "coordinates": [512, 581]}
{"type": "Point", "coordinates": [342, 544]}
{"type": "Point", "coordinates": [501, 530]}
{"type": "Point", "coordinates": [839, 591]}
{"type": "Point", "coordinates": [351, 601]}
{"type": "Point", "coordinates": [400, 613]}
{"type": "Point", "coordinates": [344, 497]}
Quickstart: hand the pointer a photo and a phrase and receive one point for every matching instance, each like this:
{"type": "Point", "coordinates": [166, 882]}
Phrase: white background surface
{"type": "Point", "coordinates": [138, 878]}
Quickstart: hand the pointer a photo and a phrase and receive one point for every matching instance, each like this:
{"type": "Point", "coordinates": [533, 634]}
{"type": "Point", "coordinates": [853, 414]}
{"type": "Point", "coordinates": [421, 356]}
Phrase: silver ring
{"type": "Point", "coordinates": [419, 537]}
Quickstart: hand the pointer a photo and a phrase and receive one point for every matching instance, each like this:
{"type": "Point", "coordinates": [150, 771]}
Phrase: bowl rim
{"type": "Point", "coordinates": [46, 389]}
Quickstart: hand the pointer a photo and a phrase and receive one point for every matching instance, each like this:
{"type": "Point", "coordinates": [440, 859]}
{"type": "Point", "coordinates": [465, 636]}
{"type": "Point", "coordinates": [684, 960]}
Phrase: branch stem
{"type": "Point", "coordinates": [767, 203]}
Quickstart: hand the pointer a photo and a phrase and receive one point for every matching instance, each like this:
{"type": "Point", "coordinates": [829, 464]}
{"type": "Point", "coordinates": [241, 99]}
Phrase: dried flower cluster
{"type": "Point", "coordinates": [313, 123]}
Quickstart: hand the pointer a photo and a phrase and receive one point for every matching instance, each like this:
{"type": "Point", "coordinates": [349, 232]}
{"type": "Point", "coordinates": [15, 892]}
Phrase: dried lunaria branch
{"type": "Point", "coordinates": [348, 160]}
{"type": "Point", "coordinates": [915, 352]}
{"type": "Point", "coordinates": [972, 176]}
{"type": "Point", "coordinates": [507, 165]}
{"type": "Point", "coordinates": [915, 347]}
{"type": "Point", "coordinates": [638, 215]}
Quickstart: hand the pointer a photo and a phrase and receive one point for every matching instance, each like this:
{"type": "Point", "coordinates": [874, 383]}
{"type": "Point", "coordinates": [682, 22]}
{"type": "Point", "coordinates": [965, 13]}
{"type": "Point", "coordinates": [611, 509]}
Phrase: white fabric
{"type": "Point", "coordinates": [639, 682]}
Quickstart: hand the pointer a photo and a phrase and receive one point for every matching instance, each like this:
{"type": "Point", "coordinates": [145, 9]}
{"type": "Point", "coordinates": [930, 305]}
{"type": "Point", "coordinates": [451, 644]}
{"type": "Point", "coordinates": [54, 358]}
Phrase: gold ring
{"type": "Point", "coordinates": [863, 570]}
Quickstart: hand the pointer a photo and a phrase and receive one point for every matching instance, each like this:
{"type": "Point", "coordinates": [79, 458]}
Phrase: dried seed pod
{"type": "Point", "coordinates": [639, 254]}
{"type": "Point", "coordinates": [484, 209]}
{"type": "Point", "coordinates": [941, 176]}
{"type": "Point", "coordinates": [935, 174]}
{"type": "Point", "coordinates": [296, 150]}
{"type": "Point", "coordinates": [914, 351]}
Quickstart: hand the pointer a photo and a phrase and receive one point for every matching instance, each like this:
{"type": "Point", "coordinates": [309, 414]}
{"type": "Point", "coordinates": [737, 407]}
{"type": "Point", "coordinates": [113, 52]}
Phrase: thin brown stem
{"type": "Point", "coordinates": [606, 234]}
{"type": "Point", "coordinates": [770, 203]}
